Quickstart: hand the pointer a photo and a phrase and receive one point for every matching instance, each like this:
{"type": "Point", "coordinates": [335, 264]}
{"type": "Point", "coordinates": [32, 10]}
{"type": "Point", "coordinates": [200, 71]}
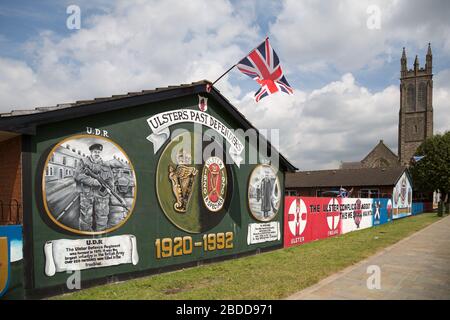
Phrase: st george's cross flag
{"type": "Point", "coordinates": [263, 65]}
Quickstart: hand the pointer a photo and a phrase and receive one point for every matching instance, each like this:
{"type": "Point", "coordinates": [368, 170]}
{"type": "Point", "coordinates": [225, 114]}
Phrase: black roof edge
{"type": "Point", "coordinates": [27, 123]}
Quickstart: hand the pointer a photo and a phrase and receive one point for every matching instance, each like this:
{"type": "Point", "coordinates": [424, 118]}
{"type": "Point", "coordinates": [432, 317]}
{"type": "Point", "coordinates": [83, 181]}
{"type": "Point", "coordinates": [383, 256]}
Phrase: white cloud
{"type": "Point", "coordinates": [138, 45]}
{"type": "Point", "coordinates": [325, 36]}
{"type": "Point", "coordinates": [340, 121]}
{"type": "Point", "coordinates": [441, 101]}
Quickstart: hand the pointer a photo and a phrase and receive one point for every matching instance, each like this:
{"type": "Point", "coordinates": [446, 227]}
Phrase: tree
{"type": "Point", "coordinates": [433, 171]}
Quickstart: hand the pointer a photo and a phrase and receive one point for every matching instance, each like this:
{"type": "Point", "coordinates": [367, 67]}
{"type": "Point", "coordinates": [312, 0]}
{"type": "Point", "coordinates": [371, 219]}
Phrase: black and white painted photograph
{"type": "Point", "coordinates": [89, 185]}
{"type": "Point", "coordinates": [264, 193]}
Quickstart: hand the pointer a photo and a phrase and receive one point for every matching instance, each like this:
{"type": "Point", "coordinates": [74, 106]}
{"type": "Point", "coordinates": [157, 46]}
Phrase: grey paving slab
{"type": "Point", "coordinates": [417, 267]}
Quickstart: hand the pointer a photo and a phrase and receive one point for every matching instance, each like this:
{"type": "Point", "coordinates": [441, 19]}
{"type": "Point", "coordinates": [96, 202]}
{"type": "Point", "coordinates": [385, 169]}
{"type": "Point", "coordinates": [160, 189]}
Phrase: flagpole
{"type": "Point", "coordinates": [210, 86]}
{"type": "Point", "coordinates": [223, 74]}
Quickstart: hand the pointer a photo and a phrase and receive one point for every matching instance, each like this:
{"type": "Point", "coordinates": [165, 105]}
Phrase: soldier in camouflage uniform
{"type": "Point", "coordinates": [94, 199]}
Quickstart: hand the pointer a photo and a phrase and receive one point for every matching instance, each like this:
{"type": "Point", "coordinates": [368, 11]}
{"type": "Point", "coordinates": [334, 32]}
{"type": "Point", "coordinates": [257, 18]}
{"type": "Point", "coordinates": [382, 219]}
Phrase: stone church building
{"type": "Point", "coordinates": [376, 174]}
{"type": "Point", "coordinates": [415, 117]}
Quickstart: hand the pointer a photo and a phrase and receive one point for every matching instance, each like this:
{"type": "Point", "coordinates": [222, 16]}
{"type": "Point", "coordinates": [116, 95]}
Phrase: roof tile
{"type": "Point", "coordinates": [345, 177]}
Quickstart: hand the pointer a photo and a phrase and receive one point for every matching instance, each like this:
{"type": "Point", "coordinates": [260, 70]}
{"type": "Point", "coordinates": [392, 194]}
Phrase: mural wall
{"type": "Point", "coordinates": [402, 198]}
{"type": "Point", "coordinates": [308, 219]}
{"type": "Point", "coordinates": [127, 191]}
{"type": "Point", "coordinates": [382, 211]}
{"type": "Point", "coordinates": [356, 214]}
{"type": "Point", "coordinates": [312, 218]}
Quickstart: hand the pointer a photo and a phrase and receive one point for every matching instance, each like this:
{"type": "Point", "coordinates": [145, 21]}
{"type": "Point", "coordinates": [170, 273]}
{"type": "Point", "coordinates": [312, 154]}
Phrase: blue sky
{"type": "Point", "coordinates": [345, 74]}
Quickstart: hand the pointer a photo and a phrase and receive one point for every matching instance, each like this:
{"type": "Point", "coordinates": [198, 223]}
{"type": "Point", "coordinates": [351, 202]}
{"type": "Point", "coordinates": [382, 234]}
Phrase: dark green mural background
{"type": "Point", "coordinates": [129, 129]}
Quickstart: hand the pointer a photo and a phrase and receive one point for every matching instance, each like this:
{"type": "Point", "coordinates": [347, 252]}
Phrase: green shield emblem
{"type": "Point", "coordinates": [179, 184]}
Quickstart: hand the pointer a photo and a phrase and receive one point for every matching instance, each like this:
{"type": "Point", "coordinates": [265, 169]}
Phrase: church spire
{"type": "Point", "coordinates": [403, 63]}
{"type": "Point", "coordinates": [429, 61]}
{"type": "Point", "coordinates": [416, 64]}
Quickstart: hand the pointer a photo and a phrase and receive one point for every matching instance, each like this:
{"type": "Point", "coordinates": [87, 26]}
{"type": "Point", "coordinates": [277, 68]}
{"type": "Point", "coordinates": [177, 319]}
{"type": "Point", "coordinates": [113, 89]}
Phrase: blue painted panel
{"type": "Point", "coordinates": [418, 208]}
{"type": "Point", "coordinates": [382, 211]}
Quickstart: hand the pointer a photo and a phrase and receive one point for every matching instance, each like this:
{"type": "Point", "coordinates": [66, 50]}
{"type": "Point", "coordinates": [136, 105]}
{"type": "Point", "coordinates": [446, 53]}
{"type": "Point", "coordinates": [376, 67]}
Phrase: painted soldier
{"type": "Point", "coordinates": [94, 197]}
{"type": "Point", "coordinates": [266, 187]}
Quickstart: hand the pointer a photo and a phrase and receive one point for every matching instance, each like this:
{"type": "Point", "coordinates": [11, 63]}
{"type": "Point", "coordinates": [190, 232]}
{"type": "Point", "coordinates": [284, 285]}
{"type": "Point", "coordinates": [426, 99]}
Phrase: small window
{"type": "Point", "coordinates": [369, 193]}
{"type": "Point", "coordinates": [291, 192]}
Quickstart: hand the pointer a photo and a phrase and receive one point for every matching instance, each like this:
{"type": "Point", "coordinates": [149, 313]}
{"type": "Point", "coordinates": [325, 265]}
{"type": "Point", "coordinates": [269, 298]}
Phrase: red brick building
{"type": "Point", "coordinates": [365, 182]}
{"type": "Point", "coordinates": [10, 178]}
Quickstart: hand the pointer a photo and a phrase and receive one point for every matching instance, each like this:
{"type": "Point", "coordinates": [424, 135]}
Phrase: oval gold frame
{"type": "Point", "coordinates": [248, 193]}
{"type": "Point", "coordinates": [44, 194]}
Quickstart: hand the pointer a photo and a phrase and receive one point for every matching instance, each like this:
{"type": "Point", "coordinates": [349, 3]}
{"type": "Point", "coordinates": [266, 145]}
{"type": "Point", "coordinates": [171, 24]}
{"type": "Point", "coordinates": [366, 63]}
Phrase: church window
{"type": "Point", "coordinates": [380, 163]}
{"type": "Point", "coordinates": [410, 99]}
{"type": "Point", "coordinates": [422, 103]}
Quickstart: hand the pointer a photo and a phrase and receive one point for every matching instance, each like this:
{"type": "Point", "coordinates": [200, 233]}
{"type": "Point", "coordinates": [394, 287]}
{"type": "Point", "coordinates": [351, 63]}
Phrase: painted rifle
{"type": "Point", "coordinates": [105, 185]}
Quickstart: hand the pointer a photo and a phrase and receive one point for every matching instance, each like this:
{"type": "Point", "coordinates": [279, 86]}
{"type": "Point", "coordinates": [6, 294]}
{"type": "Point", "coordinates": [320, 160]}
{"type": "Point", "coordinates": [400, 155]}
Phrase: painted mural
{"type": "Point", "coordinates": [309, 219]}
{"type": "Point", "coordinates": [89, 185]}
{"type": "Point", "coordinates": [94, 219]}
{"type": "Point", "coordinates": [264, 199]}
{"type": "Point", "coordinates": [192, 196]}
{"type": "Point", "coordinates": [356, 214]}
{"type": "Point", "coordinates": [313, 218]}
{"type": "Point", "coordinates": [402, 198]}
{"type": "Point", "coordinates": [11, 261]}
{"type": "Point", "coordinates": [382, 211]}
{"type": "Point", "coordinates": [264, 193]}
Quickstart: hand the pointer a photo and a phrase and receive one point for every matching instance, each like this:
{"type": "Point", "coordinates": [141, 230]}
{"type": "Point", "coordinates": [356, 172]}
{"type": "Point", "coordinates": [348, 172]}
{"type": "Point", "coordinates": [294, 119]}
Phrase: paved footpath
{"type": "Point", "coordinates": [417, 267]}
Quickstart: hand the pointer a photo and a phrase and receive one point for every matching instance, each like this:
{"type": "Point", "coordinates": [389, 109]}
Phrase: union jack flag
{"type": "Point", "coordinates": [263, 65]}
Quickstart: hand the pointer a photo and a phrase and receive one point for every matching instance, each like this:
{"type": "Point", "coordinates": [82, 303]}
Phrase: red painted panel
{"type": "Point", "coordinates": [309, 218]}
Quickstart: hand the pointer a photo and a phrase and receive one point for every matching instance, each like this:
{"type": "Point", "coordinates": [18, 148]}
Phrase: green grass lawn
{"type": "Point", "coordinates": [271, 275]}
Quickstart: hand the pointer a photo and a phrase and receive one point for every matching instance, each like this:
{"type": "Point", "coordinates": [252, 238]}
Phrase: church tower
{"type": "Point", "coordinates": [416, 106]}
